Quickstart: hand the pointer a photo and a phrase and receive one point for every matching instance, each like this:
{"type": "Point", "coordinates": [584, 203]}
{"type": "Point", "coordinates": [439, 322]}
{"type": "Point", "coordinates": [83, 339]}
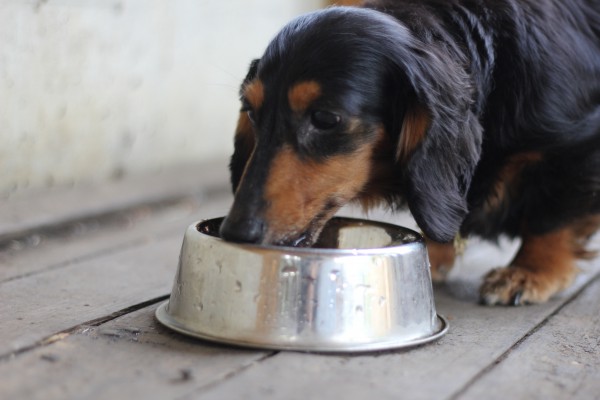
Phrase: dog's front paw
{"type": "Point", "coordinates": [517, 286]}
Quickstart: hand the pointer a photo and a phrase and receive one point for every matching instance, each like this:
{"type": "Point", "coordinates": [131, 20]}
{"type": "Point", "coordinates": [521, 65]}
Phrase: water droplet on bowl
{"type": "Point", "coordinates": [333, 275]}
{"type": "Point", "coordinates": [238, 286]}
{"type": "Point", "coordinates": [362, 286]}
{"type": "Point", "coordinates": [289, 271]}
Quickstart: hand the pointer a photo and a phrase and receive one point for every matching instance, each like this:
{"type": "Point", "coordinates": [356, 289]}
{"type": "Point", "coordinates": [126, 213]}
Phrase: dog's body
{"type": "Point", "coordinates": [483, 117]}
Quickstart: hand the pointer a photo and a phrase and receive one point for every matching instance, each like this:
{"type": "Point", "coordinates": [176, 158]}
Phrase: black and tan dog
{"type": "Point", "coordinates": [483, 117]}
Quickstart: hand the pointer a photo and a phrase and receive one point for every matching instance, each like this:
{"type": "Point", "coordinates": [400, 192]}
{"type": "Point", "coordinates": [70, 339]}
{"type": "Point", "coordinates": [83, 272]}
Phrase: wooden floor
{"type": "Point", "coordinates": [83, 270]}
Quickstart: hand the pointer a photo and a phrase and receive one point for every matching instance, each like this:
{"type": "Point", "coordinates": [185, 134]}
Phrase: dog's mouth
{"type": "Point", "coordinates": [309, 236]}
{"type": "Point", "coordinates": [306, 238]}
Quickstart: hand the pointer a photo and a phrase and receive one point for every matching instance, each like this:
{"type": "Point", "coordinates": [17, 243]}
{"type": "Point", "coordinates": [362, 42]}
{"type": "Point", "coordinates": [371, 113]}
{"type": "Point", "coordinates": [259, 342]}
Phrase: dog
{"type": "Point", "coordinates": [482, 117]}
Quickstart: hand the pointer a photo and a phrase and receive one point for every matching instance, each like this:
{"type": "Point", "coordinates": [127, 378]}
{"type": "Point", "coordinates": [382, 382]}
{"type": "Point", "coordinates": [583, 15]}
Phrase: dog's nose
{"type": "Point", "coordinates": [246, 230]}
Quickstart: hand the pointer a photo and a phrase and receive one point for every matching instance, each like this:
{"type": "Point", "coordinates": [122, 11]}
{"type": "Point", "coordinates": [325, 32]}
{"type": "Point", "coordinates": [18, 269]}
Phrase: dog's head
{"type": "Point", "coordinates": [346, 105]}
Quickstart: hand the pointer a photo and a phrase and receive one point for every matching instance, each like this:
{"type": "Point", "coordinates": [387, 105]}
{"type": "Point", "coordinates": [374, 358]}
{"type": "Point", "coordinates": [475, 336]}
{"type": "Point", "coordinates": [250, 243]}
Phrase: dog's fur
{"type": "Point", "coordinates": [482, 116]}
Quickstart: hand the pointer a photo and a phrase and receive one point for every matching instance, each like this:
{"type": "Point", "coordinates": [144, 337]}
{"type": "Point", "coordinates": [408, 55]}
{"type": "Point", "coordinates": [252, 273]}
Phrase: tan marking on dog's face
{"type": "Point", "coordinates": [305, 194]}
{"type": "Point", "coordinates": [254, 92]}
{"type": "Point", "coordinates": [414, 127]}
{"type": "Point", "coordinates": [244, 126]}
{"type": "Point", "coordinates": [302, 94]}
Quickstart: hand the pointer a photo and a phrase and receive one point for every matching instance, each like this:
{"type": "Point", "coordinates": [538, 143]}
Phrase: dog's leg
{"type": "Point", "coordinates": [441, 258]}
{"type": "Point", "coordinates": [543, 266]}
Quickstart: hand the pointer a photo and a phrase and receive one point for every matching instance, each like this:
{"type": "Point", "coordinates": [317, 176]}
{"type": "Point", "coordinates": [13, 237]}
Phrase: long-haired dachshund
{"type": "Point", "coordinates": [481, 116]}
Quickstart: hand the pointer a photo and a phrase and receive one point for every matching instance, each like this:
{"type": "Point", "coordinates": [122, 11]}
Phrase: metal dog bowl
{"type": "Point", "coordinates": [365, 286]}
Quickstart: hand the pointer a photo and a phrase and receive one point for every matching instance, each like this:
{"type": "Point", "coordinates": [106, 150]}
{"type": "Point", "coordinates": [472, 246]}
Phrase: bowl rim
{"type": "Point", "coordinates": [395, 247]}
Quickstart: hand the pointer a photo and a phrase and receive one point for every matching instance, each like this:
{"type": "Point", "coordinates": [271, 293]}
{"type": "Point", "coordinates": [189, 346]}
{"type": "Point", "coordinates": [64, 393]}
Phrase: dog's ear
{"type": "Point", "coordinates": [439, 143]}
{"type": "Point", "coordinates": [244, 135]}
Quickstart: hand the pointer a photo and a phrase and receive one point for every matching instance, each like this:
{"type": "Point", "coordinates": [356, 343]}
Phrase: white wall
{"type": "Point", "coordinates": [93, 89]}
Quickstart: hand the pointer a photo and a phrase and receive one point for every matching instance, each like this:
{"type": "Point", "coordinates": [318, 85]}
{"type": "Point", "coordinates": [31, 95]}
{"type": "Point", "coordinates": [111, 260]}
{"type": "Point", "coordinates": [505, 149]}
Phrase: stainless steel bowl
{"type": "Point", "coordinates": [365, 286]}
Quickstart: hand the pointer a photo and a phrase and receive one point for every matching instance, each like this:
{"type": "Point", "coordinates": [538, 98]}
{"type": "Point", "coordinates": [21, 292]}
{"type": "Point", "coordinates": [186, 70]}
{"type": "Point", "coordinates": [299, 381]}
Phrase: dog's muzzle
{"type": "Point", "coordinates": [244, 230]}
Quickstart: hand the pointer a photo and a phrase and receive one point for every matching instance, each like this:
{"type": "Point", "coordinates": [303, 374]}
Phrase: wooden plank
{"type": "Point", "coordinates": [131, 357]}
{"type": "Point", "coordinates": [40, 305]}
{"type": "Point", "coordinates": [33, 211]}
{"type": "Point", "coordinates": [97, 278]}
{"type": "Point", "coordinates": [561, 360]}
{"type": "Point", "coordinates": [90, 240]}
{"type": "Point", "coordinates": [61, 292]}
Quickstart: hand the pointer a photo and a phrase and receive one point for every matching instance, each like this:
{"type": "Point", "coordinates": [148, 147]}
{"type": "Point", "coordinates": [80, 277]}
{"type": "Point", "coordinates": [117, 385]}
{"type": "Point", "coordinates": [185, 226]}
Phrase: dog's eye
{"type": "Point", "coordinates": [248, 110]}
{"type": "Point", "coordinates": [324, 119]}
{"type": "Point", "coordinates": [251, 116]}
